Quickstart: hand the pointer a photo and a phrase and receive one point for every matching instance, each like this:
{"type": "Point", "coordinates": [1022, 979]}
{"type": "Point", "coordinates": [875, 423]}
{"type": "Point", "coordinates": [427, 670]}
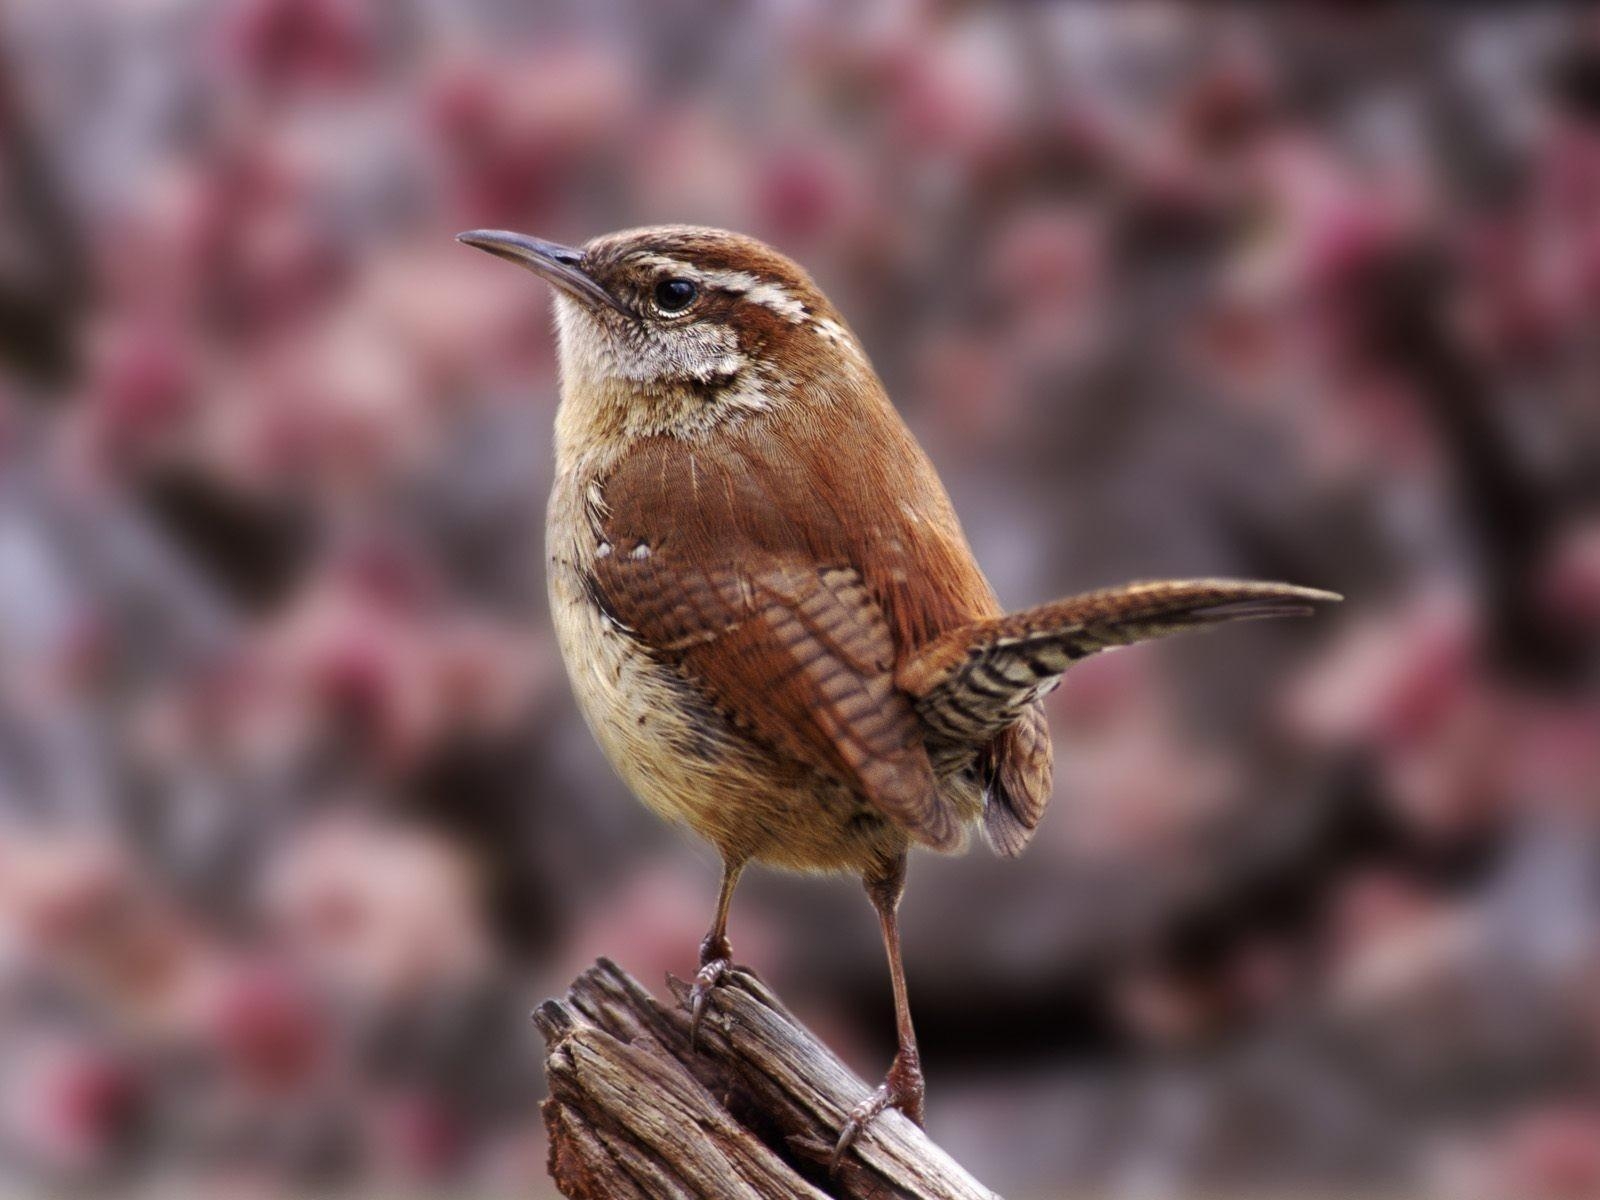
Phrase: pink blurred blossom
{"type": "Point", "coordinates": [511, 137]}
{"type": "Point", "coordinates": [1554, 1155]}
{"type": "Point", "coordinates": [70, 1105]}
{"type": "Point", "coordinates": [266, 1025]}
{"type": "Point", "coordinates": [278, 44]}
{"type": "Point", "coordinates": [386, 912]}
{"type": "Point", "coordinates": [418, 1136]}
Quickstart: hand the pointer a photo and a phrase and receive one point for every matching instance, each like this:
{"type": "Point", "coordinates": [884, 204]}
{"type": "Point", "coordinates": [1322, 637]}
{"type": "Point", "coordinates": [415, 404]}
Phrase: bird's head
{"type": "Point", "coordinates": [678, 329]}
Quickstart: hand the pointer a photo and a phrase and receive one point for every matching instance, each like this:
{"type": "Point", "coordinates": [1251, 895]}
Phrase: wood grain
{"type": "Point", "coordinates": [751, 1115]}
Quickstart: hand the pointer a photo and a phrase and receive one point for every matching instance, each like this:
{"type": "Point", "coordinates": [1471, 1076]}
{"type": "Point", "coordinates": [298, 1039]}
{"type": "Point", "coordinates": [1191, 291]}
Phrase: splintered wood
{"type": "Point", "coordinates": [750, 1114]}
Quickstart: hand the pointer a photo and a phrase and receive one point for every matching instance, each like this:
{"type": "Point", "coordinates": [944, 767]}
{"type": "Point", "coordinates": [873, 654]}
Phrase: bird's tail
{"type": "Point", "coordinates": [977, 685]}
{"type": "Point", "coordinates": [974, 681]}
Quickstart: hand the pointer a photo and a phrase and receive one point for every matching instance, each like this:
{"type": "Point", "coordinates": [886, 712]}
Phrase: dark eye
{"type": "Point", "coordinates": [674, 295]}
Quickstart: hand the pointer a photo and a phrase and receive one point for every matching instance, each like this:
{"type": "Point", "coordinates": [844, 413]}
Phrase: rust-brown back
{"type": "Point", "coordinates": [729, 560]}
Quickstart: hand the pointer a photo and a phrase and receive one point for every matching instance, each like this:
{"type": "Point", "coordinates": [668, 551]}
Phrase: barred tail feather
{"type": "Point", "coordinates": [975, 681]}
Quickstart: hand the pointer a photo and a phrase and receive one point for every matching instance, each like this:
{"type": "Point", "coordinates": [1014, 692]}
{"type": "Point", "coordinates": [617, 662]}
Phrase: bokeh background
{"type": "Point", "coordinates": [297, 819]}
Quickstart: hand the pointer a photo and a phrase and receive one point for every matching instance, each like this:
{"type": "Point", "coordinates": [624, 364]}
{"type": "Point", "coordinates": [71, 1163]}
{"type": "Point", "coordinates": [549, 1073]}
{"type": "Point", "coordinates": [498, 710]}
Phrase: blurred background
{"type": "Point", "coordinates": [297, 819]}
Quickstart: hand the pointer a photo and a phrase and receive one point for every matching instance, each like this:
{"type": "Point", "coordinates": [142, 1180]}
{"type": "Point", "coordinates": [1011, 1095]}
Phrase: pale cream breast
{"type": "Point", "coordinates": [673, 749]}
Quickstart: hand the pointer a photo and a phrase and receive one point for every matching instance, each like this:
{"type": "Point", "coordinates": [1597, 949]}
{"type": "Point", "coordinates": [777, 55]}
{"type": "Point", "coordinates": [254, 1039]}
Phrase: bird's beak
{"type": "Point", "coordinates": [561, 265]}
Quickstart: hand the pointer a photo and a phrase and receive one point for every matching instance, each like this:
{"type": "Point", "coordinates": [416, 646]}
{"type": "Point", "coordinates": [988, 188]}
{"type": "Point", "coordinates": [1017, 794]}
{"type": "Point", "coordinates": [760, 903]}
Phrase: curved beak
{"type": "Point", "coordinates": [561, 265]}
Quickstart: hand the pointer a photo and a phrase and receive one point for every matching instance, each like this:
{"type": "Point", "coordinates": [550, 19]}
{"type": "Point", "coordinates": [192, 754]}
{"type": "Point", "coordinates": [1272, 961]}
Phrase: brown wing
{"type": "Point", "coordinates": [796, 653]}
{"type": "Point", "coordinates": [974, 682]}
{"type": "Point", "coordinates": [791, 565]}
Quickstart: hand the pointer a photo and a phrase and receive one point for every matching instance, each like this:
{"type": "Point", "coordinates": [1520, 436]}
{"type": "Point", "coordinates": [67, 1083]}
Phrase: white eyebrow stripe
{"type": "Point", "coordinates": [757, 291]}
{"type": "Point", "coordinates": [778, 299]}
{"type": "Point", "coordinates": [660, 262]}
{"type": "Point", "coordinates": [729, 281]}
{"type": "Point", "coordinates": [753, 288]}
{"type": "Point", "coordinates": [834, 332]}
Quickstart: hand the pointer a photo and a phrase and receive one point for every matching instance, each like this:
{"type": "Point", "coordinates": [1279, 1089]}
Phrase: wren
{"type": "Point", "coordinates": [771, 619]}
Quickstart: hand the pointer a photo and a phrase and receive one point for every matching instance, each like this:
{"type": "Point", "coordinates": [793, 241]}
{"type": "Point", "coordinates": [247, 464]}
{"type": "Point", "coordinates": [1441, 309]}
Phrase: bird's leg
{"type": "Point", "coordinates": [903, 1087]}
{"type": "Point", "coordinates": [716, 955]}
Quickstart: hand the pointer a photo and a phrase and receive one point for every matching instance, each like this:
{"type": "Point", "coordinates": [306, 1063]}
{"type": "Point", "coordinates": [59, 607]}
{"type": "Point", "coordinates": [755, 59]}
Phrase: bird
{"type": "Point", "coordinates": [770, 616]}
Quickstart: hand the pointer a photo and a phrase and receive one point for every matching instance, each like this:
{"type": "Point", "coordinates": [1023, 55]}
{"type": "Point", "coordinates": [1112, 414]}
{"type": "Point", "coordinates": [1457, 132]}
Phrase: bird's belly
{"type": "Point", "coordinates": [690, 764]}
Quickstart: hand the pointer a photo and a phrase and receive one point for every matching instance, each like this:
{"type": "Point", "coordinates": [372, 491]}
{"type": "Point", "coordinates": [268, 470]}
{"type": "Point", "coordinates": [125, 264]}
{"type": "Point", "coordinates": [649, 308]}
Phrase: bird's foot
{"type": "Point", "coordinates": [902, 1088]}
{"type": "Point", "coordinates": [716, 960]}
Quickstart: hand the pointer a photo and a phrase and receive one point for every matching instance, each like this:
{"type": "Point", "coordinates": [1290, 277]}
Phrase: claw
{"type": "Point", "coordinates": [860, 1117]}
{"type": "Point", "coordinates": [902, 1090]}
{"type": "Point", "coordinates": [709, 975]}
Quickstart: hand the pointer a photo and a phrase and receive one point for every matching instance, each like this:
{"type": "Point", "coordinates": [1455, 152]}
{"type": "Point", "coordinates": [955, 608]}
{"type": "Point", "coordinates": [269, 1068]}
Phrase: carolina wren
{"type": "Point", "coordinates": [769, 613]}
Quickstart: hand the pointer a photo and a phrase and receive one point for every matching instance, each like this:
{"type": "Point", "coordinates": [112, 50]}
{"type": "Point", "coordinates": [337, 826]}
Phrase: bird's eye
{"type": "Point", "coordinates": [675, 295]}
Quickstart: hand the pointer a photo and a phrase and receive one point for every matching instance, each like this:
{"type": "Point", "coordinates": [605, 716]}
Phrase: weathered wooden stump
{"type": "Point", "coordinates": [751, 1114]}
